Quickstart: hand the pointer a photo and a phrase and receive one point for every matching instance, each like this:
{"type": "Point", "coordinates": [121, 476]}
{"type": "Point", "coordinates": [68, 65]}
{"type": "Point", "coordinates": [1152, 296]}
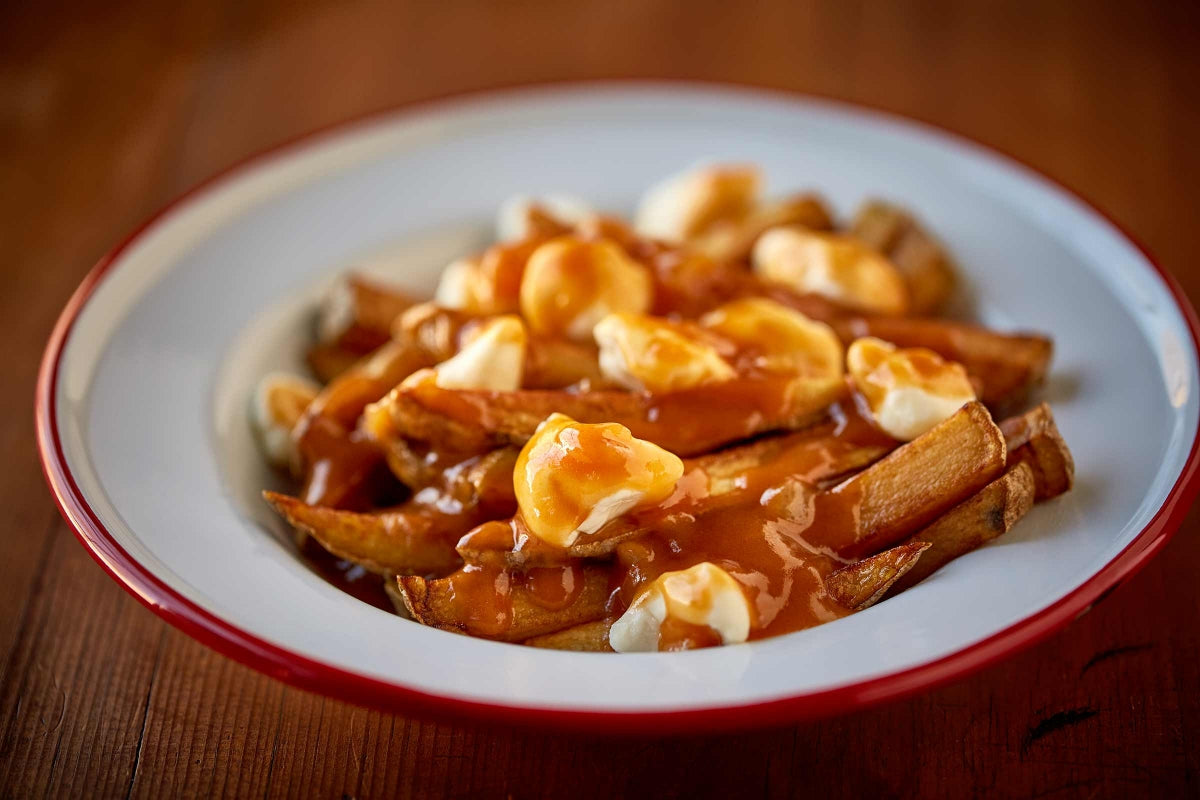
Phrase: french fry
{"type": "Point", "coordinates": [710, 482]}
{"type": "Point", "coordinates": [556, 363]}
{"type": "Point", "coordinates": [549, 363]}
{"type": "Point", "coordinates": [732, 240]}
{"type": "Point", "coordinates": [1033, 438]}
{"type": "Point", "coordinates": [432, 329]}
{"type": "Point", "coordinates": [392, 589]}
{"type": "Point", "coordinates": [344, 399]}
{"type": "Point", "coordinates": [912, 486]}
{"type": "Point", "coordinates": [1007, 365]}
{"type": "Point", "coordinates": [972, 523]}
{"type": "Point", "coordinates": [446, 603]}
{"type": "Point", "coordinates": [921, 260]}
{"type": "Point", "coordinates": [590, 637]}
{"type": "Point", "coordinates": [328, 361]}
{"type": "Point", "coordinates": [359, 313]}
{"type": "Point", "coordinates": [413, 538]}
{"type": "Point", "coordinates": [686, 422]}
{"type": "Point", "coordinates": [864, 583]}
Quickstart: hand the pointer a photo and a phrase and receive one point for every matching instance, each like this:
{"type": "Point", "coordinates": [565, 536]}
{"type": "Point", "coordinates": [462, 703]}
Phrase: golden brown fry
{"type": "Point", "coordinates": [495, 604]}
{"type": "Point", "coordinates": [972, 523]}
{"type": "Point", "coordinates": [590, 637]}
{"type": "Point", "coordinates": [556, 363]}
{"type": "Point", "coordinates": [717, 480]}
{"type": "Point", "coordinates": [413, 538]}
{"type": "Point", "coordinates": [686, 422]}
{"type": "Point", "coordinates": [910, 488]}
{"type": "Point", "coordinates": [433, 329]}
{"type": "Point", "coordinates": [549, 363]}
{"type": "Point", "coordinates": [1007, 365]}
{"type": "Point", "coordinates": [360, 317]}
{"type": "Point", "coordinates": [328, 361]}
{"type": "Point", "coordinates": [392, 589]}
{"type": "Point", "coordinates": [344, 399]}
{"type": "Point", "coordinates": [732, 240]}
{"type": "Point", "coordinates": [864, 583]}
{"type": "Point", "coordinates": [921, 260]}
{"type": "Point", "coordinates": [1033, 438]}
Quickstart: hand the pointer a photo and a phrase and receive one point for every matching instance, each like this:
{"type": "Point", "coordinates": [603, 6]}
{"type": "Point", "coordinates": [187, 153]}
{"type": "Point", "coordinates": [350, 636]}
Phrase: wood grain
{"type": "Point", "coordinates": [108, 111]}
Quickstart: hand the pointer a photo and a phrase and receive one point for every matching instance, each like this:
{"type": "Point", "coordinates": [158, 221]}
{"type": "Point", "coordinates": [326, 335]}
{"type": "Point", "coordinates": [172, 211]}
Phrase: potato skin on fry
{"type": "Point", "coordinates": [409, 539]}
{"type": "Point", "coordinates": [864, 583]}
{"type": "Point", "coordinates": [909, 488]}
{"type": "Point", "coordinates": [1033, 438]}
{"type": "Point", "coordinates": [436, 603]}
{"type": "Point", "coordinates": [686, 422]}
{"type": "Point", "coordinates": [923, 263]}
{"type": "Point", "coordinates": [973, 523]}
{"type": "Point", "coordinates": [590, 637]}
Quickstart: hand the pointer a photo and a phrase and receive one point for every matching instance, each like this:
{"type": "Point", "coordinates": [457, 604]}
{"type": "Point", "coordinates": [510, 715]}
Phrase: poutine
{"type": "Point", "coordinates": [725, 420]}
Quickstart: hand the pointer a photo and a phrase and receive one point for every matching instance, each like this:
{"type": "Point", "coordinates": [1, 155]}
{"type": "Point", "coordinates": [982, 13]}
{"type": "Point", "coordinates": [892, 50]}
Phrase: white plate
{"type": "Point", "coordinates": [145, 385]}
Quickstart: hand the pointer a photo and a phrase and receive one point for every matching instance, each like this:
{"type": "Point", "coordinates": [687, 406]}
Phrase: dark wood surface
{"type": "Point", "coordinates": [108, 111]}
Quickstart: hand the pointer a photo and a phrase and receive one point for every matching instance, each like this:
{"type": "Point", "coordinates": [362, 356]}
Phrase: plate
{"type": "Point", "coordinates": [145, 383]}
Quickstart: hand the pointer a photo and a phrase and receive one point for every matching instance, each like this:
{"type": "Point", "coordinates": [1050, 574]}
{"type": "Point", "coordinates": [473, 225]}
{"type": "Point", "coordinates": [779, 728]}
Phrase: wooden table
{"type": "Point", "coordinates": [107, 113]}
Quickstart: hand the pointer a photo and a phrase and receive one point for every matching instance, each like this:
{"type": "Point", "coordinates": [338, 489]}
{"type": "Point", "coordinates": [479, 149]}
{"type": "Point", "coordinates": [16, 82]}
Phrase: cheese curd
{"type": "Point", "coordinates": [683, 205]}
{"type": "Point", "coordinates": [704, 595]}
{"type": "Point", "coordinates": [649, 354]}
{"type": "Point", "coordinates": [518, 215]}
{"type": "Point", "coordinates": [492, 358]}
{"type": "Point", "coordinates": [840, 268]}
{"type": "Point", "coordinates": [572, 478]}
{"type": "Point", "coordinates": [910, 390]}
{"type": "Point", "coordinates": [570, 284]}
{"type": "Point", "coordinates": [784, 339]}
{"type": "Point", "coordinates": [278, 403]}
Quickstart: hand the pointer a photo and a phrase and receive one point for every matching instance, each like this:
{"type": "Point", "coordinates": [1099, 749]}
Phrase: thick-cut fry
{"type": "Point", "coordinates": [413, 538]}
{"type": "Point", "coordinates": [925, 266]}
{"type": "Point", "coordinates": [344, 399]}
{"type": "Point", "coordinates": [1006, 365]}
{"type": "Point", "coordinates": [711, 482]}
{"type": "Point", "coordinates": [358, 315]}
{"type": "Point", "coordinates": [555, 363]}
{"type": "Point", "coordinates": [732, 240]}
{"type": "Point", "coordinates": [328, 361]}
{"type": "Point", "coordinates": [972, 523]}
{"type": "Point", "coordinates": [909, 488]}
{"type": "Point", "coordinates": [392, 589]}
{"type": "Point", "coordinates": [590, 637]}
{"type": "Point", "coordinates": [686, 422]}
{"type": "Point", "coordinates": [1033, 438]}
{"type": "Point", "coordinates": [514, 613]}
{"type": "Point", "coordinates": [864, 583]}
{"type": "Point", "coordinates": [549, 363]}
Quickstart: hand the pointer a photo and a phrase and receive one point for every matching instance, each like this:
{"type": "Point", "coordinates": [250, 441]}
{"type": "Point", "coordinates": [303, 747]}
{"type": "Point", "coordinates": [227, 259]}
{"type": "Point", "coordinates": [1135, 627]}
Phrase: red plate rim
{"type": "Point", "coordinates": [315, 676]}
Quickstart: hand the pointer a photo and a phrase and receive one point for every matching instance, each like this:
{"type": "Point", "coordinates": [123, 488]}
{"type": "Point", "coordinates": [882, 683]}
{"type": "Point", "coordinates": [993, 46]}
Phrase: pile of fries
{"type": "Point", "coordinates": [725, 420]}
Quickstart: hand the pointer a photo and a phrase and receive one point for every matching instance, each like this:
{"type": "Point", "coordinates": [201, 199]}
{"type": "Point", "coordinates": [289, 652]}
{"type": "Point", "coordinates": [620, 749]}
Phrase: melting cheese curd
{"type": "Point", "coordinates": [649, 354]}
{"type": "Point", "coordinates": [570, 284]}
{"type": "Point", "coordinates": [683, 205]}
{"type": "Point", "coordinates": [704, 596]}
{"type": "Point", "coordinates": [838, 267]}
{"type": "Point", "coordinates": [783, 339]}
{"type": "Point", "coordinates": [278, 403]}
{"type": "Point", "coordinates": [572, 478]}
{"type": "Point", "coordinates": [909, 391]}
{"type": "Point", "coordinates": [492, 358]}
